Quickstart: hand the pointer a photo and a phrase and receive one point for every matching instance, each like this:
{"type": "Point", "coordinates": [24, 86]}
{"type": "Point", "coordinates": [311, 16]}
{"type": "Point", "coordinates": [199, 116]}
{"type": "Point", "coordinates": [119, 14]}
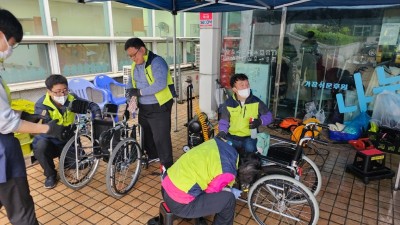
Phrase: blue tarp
{"type": "Point", "coordinates": [239, 5]}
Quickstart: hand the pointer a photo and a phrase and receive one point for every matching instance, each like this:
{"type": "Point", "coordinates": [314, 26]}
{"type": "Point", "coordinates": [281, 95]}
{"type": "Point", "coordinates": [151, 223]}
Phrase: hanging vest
{"type": "Point", "coordinates": [65, 119]}
{"type": "Point", "coordinates": [165, 94]}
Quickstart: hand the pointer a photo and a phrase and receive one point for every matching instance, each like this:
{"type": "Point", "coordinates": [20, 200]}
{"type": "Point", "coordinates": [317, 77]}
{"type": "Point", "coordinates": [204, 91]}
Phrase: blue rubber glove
{"type": "Point", "coordinates": [236, 192]}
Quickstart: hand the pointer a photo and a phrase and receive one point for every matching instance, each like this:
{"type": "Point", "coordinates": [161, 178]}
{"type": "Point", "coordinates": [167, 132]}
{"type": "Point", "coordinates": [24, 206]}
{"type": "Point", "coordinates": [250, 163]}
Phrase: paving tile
{"type": "Point", "coordinates": [344, 199]}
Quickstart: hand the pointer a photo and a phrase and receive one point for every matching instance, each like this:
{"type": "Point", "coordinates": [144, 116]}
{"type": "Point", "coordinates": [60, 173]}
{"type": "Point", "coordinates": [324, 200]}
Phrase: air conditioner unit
{"type": "Point", "coordinates": [197, 56]}
{"type": "Point", "coordinates": [194, 77]}
{"type": "Point", "coordinates": [126, 73]}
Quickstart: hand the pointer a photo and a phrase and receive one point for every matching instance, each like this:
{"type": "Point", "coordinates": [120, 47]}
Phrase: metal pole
{"type": "Point", "coordinates": [298, 85]}
{"type": "Point", "coordinates": [279, 61]}
{"type": "Point", "coordinates": [175, 74]}
{"type": "Point", "coordinates": [322, 89]}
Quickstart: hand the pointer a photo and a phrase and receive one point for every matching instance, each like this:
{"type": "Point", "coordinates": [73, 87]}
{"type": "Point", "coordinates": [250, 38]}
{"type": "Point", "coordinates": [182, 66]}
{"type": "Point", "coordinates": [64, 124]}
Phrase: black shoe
{"type": "Point", "coordinates": [50, 182]}
{"type": "Point", "coordinates": [200, 221]}
{"type": "Point", "coordinates": [154, 221]}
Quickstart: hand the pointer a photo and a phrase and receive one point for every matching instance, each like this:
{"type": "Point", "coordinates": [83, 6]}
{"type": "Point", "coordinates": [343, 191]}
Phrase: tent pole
{"type": "Point", "coordinates": [279, 63]}
{"type": "Point", "coordinates": [175, 73]}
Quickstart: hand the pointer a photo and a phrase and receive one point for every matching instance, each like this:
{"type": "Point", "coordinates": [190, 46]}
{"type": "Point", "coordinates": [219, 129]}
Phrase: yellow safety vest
{"type": "Point", "coordinates": [7, 89]}
{"type": "Point", "coordinates": [162, 96]}
{"type": "Point", "coordinates": [65, 119]}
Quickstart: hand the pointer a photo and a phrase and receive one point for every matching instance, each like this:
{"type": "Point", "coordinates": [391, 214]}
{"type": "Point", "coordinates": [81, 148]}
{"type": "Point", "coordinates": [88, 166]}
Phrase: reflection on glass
{"type": "Point", "coordinates": [27, 63]}
{"type": "Point", "coordinates": [90, 21]}
{"type": "Point", "coordinates": [165, 26]}
{"type": "Point", "coordinates": [166, 51]}
{"type": "Point", "coordinates": [29, 15]}
{"type": "Point", "coordinates": [344, 42]}
{"type": "Point", "coordinates": [131, 21]}
{"type": "Point", "coordinates": [191, 51]}
{"type": "Point", "coordinates": [78, 59]}
{"type": "Point", "coordinates": [192, 25]}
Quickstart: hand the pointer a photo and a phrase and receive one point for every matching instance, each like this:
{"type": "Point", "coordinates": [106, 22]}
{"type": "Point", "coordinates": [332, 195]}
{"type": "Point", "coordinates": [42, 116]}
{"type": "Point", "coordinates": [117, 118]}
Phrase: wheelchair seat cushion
{"type": "Point", "coordinates": [281, 154]}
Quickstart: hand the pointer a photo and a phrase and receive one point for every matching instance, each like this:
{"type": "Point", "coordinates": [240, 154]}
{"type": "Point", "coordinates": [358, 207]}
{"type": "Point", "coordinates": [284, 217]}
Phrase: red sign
{"type": "Point", "coordinates": [206, 20]}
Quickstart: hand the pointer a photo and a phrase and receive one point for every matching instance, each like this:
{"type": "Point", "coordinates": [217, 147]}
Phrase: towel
{"type": "Point", "coordinates": [263, 143]}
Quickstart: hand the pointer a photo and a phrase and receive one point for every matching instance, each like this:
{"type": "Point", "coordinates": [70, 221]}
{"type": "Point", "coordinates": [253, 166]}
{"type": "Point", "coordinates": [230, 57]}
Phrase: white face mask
{"type": "Point", "coordinates": [7, 53]}
{"type": "Point", "coordinates": [244, 93]}
{"type": "Point", "coordinates": [60, 99]}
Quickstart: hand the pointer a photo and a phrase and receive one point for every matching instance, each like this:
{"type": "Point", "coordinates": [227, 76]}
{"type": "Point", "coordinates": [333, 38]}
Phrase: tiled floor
{"type": "Point", "coordinates": [343, 199]}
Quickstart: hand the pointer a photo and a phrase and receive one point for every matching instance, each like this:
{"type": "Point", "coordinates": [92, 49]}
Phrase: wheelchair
{"type": "Point", "coordinates": [284, 191]}
{"type": "Point", "coordinates": [118, 144]}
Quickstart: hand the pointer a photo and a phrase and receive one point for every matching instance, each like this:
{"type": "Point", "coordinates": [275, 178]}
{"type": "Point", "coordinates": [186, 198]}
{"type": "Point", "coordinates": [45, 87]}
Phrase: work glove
{"type": "Point", "coordinates": [255, 123]}
{"type": "Point", "coordinates": [221, 135]}
{"type": "Point", "coordinates": [236, 192]}
{"type": "Point", "coordinates": [34, 118]}
{"type": "Point", "coordinates": [132, 92]}
{"type": "Point", "coordinates": [60, 132]}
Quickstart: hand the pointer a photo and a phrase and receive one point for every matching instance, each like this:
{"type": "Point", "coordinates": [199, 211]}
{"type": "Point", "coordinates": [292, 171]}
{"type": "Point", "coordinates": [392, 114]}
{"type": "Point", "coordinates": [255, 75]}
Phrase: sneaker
{"type": "Point", "coordinates": [50, 182]}
{"type": "Point", "coordinates": [153, 160]}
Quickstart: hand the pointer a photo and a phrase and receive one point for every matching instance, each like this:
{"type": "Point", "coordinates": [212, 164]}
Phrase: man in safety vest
{"type": "Point", "coordinates": [200, 181]}
{"type": "Point", "coordinates": [54, 106]}
{"type": "Point", "coordinates": [14, 189]}
{"type": "Point", "coordinates": [152, 83]}
{"type": "Point", "coordinates": [242, 112]}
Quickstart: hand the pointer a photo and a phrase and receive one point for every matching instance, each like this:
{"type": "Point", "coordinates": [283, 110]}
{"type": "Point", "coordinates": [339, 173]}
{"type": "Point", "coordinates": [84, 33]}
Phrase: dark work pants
{"type": "Point", "coordinates": [16, 198]}
{"type": "Point", "coordinates": [45, 151]}
{"type": "Point", "coordinates": [156, 123]}
{"type": "Point", "coordinates": [222, 204]}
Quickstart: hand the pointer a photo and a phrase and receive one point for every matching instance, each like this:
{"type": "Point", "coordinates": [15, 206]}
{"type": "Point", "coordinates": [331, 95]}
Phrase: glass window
{"type": "Point", "coordinates": [84, 58]}
{"type": "Point", "coordinates": [192, 25]}
{"type": "Point", "coordinates": [231, 24]}
{"type": "Point", "coordinates": [131, 21]}
{"type": "Point", "coordinates": [122, 57]}
{"type": "Point", "coordinates": [165, 25]}
{"type": "Point", "coordinates": [29, 15]}
{"type": "Point", "coordinates": [191, 51]}
{"type": "Point", "coordinates": [29, 62]}
{"type": "Point", "coordinates": [90, 21]}
{"type": "Point", "coordinates": [166, 51]}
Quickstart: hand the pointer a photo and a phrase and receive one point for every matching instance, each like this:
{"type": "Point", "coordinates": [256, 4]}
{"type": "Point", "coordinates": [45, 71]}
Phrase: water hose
{"type": "Point", "coordinates": [202, 121]}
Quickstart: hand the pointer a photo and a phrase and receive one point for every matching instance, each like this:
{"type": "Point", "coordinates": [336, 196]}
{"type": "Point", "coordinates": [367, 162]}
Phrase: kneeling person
{"type": "Point", "coordinates": [54, 106]}
{"type": "Point", "coordinates": [194, 186]}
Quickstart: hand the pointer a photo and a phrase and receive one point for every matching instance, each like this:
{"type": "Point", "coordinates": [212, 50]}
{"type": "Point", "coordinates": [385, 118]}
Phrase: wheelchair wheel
{"type": "Point", "coordinates": [311, 176]}
{"type": "Point", "coordinates": [273, 200]}
{"type": "Point", "coordinates": [77, 163]}
{"type": "Point", "coordinates": [123, 168]}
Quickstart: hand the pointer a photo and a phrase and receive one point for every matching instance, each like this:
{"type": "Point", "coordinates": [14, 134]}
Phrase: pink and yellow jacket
{"type": "Point", "coordinates": [207, 168]}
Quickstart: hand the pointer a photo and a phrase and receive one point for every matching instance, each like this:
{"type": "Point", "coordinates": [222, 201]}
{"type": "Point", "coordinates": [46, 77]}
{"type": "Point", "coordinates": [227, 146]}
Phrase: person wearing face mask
{"type": "Point", "coordinates": [14, 189]}
{"type": "Point", "coordinates": [151, 82]}
{"type": "Point", "coordinates": [241, 112]}
{"type": "Point", "coordinates": [54, 106]}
